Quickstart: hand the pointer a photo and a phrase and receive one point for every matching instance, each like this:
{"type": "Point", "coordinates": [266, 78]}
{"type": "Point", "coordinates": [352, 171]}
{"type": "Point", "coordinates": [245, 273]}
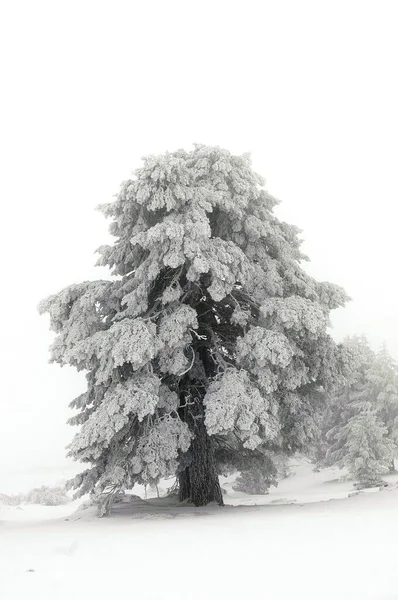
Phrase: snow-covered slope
{"type": "Point", "coordinates": [338, 548]}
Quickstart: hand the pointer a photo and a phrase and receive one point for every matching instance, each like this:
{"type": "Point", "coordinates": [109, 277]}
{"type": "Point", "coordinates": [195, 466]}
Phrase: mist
{"type": "Point", "coordinates": [308, 89]}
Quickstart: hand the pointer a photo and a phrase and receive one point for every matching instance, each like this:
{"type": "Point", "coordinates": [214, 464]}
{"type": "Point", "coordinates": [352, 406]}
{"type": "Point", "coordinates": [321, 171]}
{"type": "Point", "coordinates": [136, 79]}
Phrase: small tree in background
{"type": "Point", "coordinates": [258, 476]}
{"type": "Point", "coordinates": [363, 447]}
{"type": "Point", "coordinates": [336, 407]}
{"type": "Point", "coordinates": [363, 415]}
{"type": "Point", "coordinates": [382, 389]}
{"type": "Point", "coordinates": [209, 342]}
{"type": "Point", "coordinates": [47, 496]}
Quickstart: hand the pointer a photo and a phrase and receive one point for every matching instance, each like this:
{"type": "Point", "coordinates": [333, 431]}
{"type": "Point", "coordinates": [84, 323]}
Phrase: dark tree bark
{"type": "Point", "coordinates": [199, 481]}
{"type": "Point", "coordinates": [392, 466]}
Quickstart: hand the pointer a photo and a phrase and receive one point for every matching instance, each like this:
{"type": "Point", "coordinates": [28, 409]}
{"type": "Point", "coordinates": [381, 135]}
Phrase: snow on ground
{"type": "Point", "coordinates": [339, 548]}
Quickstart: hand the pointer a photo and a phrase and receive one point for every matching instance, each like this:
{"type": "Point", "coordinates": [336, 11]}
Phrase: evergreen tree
{"type": "Point", "coordinates": [363, 415]}
{"type": "Point", "coordinates": [338, 406]}
{"type": "Point", "coordinates": [207, 345]}
{"type": "Point", "coordinates": [363, 446]}
{"type": "Point", "coordinates": [258, 477]}
{"type": "Point", "coordinates": [382, 390]}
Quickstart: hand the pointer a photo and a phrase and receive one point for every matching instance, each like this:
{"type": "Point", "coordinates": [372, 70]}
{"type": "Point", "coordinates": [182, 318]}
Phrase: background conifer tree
{"type": "Point", "coordinates": [362, 446]}
{"type": "Point", "coordinates": [362, 415]}
{"type": "Point", "coordinates": [336, 406]}
{"type": "Point", "coordinates": [382, 388]}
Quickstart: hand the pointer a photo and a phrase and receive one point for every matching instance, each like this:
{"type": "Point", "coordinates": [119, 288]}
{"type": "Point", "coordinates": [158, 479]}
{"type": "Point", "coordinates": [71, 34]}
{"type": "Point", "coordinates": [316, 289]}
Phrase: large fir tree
{"type": "Point", "coordinates": [206, 348]}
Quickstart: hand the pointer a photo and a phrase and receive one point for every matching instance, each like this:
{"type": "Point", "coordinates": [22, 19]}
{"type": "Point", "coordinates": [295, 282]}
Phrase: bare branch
{"type": "Point", "coordinates": [190, 366]}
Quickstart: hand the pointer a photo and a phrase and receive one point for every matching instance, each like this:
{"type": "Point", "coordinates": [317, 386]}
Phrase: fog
{"type": "Point", "coordinates": [308, 88]}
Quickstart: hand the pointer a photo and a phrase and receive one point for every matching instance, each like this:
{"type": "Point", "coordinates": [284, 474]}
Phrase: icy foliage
{"type": "Point", "coordinates": [76, 305]}
{"type": "Point", "coordinates": [209, 315]}
{"type": "Point", "coordinates": [295, 314]}
{"type": "Point", "coordinates": [261, 347]}
{"type": "Point", "coordinates": [76, 313]}
{"type": "Point", "coordinates": [173, 328]}
{"type": "Point", "coordinates": [44, 495]}
{"type": "Point", "coordinates": [171, 294]}
{"type": "Point", "coordinates": [240, 317]}
{"type": "Point", "coordinates": [363, 447]}
{"type": "Point", "coordinates": [360, 424]}
{"type": "Point", "coordinates": [130, 341]}
{"type": "Point", "coordinates": [258, 477]}
{"type": "Point", "coordinates": [155, 455]}
{"type": "Point", "coordinates": [356, 356]}
{"type": "Point", "coordinates": [174, 334]}
{"type": "Point", "coordinates": [157, 452]}
{"type": "Point", "coordinates": [298, 415]}
{"type": "Point", "coordinates": [168, 400]}
{"type": "Point", "coordinates": [382, 387]}
{"type": "Point", "coordinates": [228, 265]}
{"type": "Point", "coordinates": [331, 296]}
{"type": "Point", "coordinates": [47, 496]}
{"type": "Point", "coordinates": [232, 402]}
{"type": "Point", "coordinates": [136, 397]}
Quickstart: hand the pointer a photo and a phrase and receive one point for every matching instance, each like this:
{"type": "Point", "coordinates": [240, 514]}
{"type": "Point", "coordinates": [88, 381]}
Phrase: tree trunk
{"type": "Point", "coordinates": [392, 466]}
{"type": "Point", "coordinates": [199, 481]}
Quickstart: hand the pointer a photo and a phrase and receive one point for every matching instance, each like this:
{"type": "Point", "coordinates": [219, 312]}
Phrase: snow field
{"type": "Point", "coordinates": [342, 548]}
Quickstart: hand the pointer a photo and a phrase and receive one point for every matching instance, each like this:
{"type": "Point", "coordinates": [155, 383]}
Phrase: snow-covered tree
{"type": "Point", "coordinates": [362, 415]}
{"type": "Point", "coordinates": [382, 389]}
{"type": "Point", "coordinates": [363, 446]}
{"type": "Point", "coordinates": [258, 477]}
{"type": "Point", "coordinates": [209, 341]}
{"type": "Point", "coordinates": [337, 406]}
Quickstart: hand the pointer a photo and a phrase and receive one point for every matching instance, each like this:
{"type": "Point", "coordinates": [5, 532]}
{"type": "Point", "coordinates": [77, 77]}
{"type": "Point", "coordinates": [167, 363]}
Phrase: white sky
{"type": "Point", "coordinates": [310, 88]}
